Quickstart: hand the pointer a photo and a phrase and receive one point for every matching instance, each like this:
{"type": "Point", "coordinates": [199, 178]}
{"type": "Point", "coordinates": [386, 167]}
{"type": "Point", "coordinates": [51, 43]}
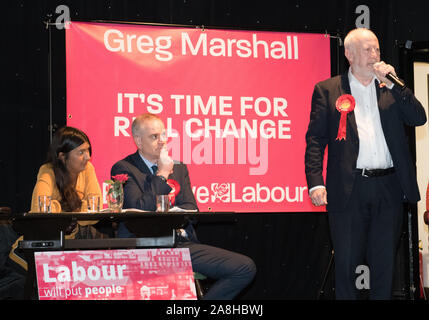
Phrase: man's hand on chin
{"type": "Point", "coordinates": [165, 164]}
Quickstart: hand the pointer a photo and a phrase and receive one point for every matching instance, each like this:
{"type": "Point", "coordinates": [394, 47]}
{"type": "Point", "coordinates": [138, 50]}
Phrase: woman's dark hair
{"type": "Point", "coordinates": [65, 140]}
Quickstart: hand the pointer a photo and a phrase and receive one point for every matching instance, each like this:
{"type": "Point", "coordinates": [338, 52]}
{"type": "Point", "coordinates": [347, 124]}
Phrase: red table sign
{"type": "Point", "coordinates": [139, 274]}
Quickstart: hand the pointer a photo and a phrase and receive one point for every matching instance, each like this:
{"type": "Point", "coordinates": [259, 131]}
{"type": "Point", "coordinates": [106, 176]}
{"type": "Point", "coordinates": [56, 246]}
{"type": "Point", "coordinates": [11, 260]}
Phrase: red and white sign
{"type": "Point", "coordinates": [235, 104]}
{"type": "Point", "coordinates": [139, 274]}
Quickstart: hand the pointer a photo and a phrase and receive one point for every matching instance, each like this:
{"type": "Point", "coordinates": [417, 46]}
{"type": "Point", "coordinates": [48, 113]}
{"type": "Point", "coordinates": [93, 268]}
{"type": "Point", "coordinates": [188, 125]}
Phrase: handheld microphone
{"type": "Point", "coordinates": [395, 80]}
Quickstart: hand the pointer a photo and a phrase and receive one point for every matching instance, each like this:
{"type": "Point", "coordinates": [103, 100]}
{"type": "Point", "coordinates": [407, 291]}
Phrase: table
{"type": "Point", "coordinates": [43, 232]}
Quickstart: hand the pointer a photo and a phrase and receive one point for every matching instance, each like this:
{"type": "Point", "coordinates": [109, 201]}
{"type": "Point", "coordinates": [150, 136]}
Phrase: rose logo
{"type": "Point", "coordinates": [221, 191]}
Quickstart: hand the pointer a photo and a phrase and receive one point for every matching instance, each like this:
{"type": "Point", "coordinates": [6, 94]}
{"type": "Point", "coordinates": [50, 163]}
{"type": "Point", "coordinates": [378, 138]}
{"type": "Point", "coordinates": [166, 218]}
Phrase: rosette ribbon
{"type": "Point", "coordinates": [344, 104]}
{"type": "Point", "coordinates": [175, 189]}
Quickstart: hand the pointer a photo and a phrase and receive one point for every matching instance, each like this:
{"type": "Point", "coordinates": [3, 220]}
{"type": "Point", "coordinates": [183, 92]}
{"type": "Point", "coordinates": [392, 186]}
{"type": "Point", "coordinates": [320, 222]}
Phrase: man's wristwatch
{"type": "Point", "coordinates": [162, 178]}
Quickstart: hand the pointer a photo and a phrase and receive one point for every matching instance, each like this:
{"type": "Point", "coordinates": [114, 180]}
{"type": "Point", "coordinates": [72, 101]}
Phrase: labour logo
{"type": "Point", "coordinates": [221, 191]}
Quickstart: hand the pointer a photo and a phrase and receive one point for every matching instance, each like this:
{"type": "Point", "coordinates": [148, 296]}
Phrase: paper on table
{"type": "Point", "coordinates": [126, 210]}
{"type": "Point", "coordinates": [178, 209]}
{"type": "Point", "coordinates": [174, 209]}
{"type": "Point", "coordinates": [133, 209]}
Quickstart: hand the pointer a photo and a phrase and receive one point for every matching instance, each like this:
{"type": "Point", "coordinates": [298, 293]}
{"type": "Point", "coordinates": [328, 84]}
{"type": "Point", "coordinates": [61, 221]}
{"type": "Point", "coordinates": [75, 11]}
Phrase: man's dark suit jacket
{"type": "Point", "coordinates": [396, 109]}
{"type": "Point", "coordinates": [142, 186]}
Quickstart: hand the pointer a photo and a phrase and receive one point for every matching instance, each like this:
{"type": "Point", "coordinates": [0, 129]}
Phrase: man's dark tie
{"type": "Point", "coordinates": [154, 169]}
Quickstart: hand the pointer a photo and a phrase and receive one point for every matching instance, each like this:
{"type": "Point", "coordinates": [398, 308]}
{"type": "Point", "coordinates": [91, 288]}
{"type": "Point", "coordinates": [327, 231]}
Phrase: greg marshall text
{"type": "Point", "coordinates": [160, 46]}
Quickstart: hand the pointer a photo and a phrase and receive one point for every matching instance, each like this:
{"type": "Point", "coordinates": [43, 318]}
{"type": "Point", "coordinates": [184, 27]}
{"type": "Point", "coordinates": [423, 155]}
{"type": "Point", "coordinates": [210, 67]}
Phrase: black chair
{"type": "Point", "coordinates": [12, 276]}
{"type": "Point", "coordinates": [198, 277]}
{"type": "Point", "coordinates": [5, 210]}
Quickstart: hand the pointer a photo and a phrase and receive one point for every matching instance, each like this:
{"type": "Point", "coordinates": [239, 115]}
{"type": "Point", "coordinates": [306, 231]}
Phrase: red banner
{"type": "Point", "coordinates": [139, 274]}
{"type": "Point", "coordinates": [235, 103]}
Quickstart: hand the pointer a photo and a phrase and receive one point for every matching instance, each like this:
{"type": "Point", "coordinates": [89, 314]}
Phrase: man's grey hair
{"type": "Point", "coordinates": [139, 120]}
{"type": "Point", "coordinates": [350, 38]}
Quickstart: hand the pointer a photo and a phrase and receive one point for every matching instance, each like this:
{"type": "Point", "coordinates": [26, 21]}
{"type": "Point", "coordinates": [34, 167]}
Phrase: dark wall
{"type": "Point", "coordinates": [25, 94]}
{"type": "Point", "coordinates": [292, 253]}
{"type": "Point", "coordinates": [291, 250]}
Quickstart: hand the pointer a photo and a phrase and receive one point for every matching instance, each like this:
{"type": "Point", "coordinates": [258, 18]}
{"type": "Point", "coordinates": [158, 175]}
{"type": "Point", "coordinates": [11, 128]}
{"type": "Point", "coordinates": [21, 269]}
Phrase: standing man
{"type": "Point", "coordinates": [152, 172]}
{"type": "Point", "coordinates": [360, 116]}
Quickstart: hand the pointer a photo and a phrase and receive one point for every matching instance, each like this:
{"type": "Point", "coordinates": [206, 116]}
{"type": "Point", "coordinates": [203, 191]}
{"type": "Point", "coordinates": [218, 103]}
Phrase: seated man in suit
{"type": "Point", "coordinates": [148, 170]}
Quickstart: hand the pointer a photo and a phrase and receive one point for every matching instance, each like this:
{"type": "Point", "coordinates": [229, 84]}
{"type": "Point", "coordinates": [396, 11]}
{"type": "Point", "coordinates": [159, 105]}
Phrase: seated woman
{"type": "Point", "coordinates": [69, 177]}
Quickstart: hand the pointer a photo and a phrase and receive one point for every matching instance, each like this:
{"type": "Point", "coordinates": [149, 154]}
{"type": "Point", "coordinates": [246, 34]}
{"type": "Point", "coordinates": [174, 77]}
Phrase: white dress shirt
{"type": "Point", "coordinates": [373, 150]}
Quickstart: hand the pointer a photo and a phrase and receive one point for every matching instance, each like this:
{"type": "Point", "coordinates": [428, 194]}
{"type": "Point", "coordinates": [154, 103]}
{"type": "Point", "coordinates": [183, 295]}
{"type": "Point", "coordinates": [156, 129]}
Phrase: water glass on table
{"type": "Point", "coordinates": [45, 203]}
{"type": "Point", "coordinates": [162, 203]}
{"type": "Point", "coordinates": [93, 202]}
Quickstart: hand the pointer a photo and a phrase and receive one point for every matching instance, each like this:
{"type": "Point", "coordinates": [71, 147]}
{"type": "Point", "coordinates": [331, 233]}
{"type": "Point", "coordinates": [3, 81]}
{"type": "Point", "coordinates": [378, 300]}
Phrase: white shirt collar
{"type": "Point", "coordinates": [147, 162]}
{"type": "Point", "coordinates": [354, 80]}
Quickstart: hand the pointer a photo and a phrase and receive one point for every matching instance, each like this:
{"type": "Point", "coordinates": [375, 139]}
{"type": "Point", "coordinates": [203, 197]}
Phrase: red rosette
{"type": "Point", "coordinates": [121, 177]}
{"type": "Point", "coordinates": [344, 104]}
{"type": "Point", "coordinates": [175, 189]}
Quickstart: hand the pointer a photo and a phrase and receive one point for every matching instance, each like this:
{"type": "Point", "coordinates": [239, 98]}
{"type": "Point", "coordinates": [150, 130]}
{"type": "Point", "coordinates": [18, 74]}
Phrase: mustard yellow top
{"type": "Point", "coordinates": [86, 184]}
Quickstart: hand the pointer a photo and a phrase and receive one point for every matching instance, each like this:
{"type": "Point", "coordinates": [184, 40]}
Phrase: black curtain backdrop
{"type": "Point", "coordinates": [291, 250]}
